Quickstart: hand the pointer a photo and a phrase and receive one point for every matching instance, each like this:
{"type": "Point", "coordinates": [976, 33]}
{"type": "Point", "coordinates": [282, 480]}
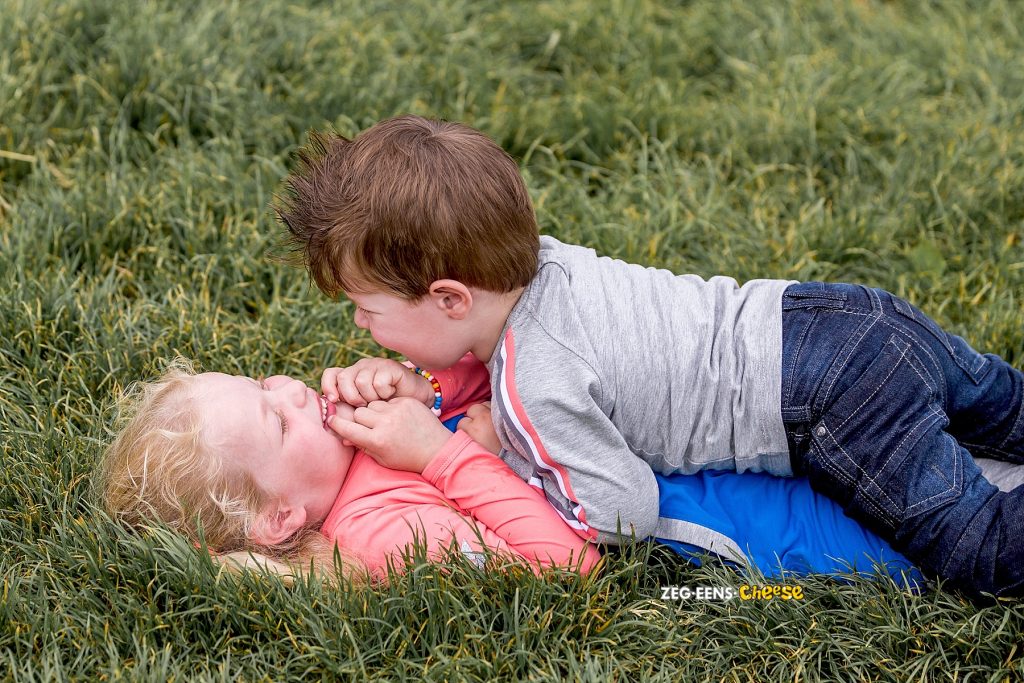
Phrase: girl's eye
{"type": "Point", "coordinates": [284, 423]}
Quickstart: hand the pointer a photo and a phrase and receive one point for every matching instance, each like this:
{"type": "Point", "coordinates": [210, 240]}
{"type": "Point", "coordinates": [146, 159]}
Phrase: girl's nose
{"type": "Point", "coordinates": [295, 392]}
{"type": "Point", "coordinates": [288, 389]}
{"type": "Point", "coordinates": [302, 393]}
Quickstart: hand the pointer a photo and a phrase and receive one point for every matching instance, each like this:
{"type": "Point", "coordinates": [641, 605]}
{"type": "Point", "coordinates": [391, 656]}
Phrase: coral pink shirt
{"type": "Point", "coordinates": [466, 495]}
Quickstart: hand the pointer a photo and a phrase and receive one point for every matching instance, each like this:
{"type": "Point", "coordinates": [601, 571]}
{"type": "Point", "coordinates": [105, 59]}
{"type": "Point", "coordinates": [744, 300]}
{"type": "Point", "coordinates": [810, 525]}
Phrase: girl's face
{"type": "Point", "coordinates": [275, 431]}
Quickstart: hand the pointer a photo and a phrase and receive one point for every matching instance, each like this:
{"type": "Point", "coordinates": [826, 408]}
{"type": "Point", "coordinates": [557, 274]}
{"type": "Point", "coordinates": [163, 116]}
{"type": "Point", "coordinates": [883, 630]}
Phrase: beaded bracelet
{"type": "Point", "coordinates": [436, 410]}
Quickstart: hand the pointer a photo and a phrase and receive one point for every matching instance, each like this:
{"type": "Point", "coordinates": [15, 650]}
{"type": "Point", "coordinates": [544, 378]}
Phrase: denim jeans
{"type": "Point", "coordinates": [883, 411]}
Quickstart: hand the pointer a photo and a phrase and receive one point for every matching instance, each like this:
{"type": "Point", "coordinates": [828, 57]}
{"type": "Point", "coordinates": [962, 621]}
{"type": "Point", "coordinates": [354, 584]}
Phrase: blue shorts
{"type": "Point", "coordinates": [781, 527]}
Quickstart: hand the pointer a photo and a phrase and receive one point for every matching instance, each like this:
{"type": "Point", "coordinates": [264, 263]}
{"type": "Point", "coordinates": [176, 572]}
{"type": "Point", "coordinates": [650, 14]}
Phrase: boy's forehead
{"type": "Point", "coordinates": [362, 291]}
{"type": "Point", "coordinates": [377, 297]}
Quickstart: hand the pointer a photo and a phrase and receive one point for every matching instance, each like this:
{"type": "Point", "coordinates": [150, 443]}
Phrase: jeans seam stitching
{"type": "Point", "coordinates": [932, 413]}
{"type": "Point", "coordinates": [957, 477]}
{"type": "Point", "coordinates": [874, 391]}
{"type": "Point", "coordinates": [853, 345]}
{"type": "Point", "coordinates": [953, 553]}
{"type": "Point", "coordinates": [877, 313]}
{"type": "Point", "coordinates": [932, 387]}
{"type": "Point", "coordinates": [909, 337]}
{"type": "Point", "coordinates": [1013, 429]}
{"type": "Point", "coordinates": [796, 355]}
{"type": "Point", "coordinates": [971, 369]}
{"type": "Point", "coordinates": [842, 476]}
{"type": "Point", "coordinates": [971, 446]}
{"type": "Point", "coordinates": [862, 471]}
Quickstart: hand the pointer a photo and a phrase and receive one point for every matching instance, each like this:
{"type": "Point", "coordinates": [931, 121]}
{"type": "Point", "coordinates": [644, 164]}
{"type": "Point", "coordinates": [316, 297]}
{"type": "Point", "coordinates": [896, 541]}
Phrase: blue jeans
{"type": "Point", "coordinates": [883, 410]}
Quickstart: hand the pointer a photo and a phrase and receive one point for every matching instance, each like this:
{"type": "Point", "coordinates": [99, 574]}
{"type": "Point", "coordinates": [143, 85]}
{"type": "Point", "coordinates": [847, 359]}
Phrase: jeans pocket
{"type": "Point", "coordinates": [880, 449]}
{"type": "Point", "coordinates": [974, 364]}
{"type": "Point", "coordinates": [813, 295]}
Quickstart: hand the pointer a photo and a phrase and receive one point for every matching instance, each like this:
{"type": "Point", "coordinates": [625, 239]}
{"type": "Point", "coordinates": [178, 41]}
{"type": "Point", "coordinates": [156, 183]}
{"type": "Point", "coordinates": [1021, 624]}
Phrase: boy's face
{"type": "Point", "coordinates": [420, 331]}
{"type": "Point", "coordinates": [275, 431]}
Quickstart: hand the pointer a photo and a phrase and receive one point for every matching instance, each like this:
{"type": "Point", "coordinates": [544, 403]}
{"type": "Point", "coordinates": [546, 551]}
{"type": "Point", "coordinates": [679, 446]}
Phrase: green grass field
{"type": "Point", "coordinates": [141, 143]}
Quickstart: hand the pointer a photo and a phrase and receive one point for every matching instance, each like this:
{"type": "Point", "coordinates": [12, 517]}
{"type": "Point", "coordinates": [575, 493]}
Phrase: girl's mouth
{"type": "Point", "coordinates": [326, 410]}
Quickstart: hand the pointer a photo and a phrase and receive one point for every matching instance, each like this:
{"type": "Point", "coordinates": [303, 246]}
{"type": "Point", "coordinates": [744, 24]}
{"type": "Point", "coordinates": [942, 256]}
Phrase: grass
{"type": "Point", "coordinates": [140, 145]}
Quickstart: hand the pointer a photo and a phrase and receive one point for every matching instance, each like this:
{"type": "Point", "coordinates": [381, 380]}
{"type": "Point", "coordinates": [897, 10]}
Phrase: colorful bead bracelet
{"type": "Point", "coordinates": [436, 410]}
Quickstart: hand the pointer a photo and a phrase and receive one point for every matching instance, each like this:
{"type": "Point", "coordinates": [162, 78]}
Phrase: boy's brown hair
{"type": "Point", "coordinates": [407, 202]}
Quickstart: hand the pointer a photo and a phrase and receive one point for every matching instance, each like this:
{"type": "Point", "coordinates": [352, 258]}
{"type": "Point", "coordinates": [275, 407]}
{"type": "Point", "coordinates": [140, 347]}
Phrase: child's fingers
{"type": "Point", "coordinates": [479, 410]}
{"type": "Point", "coordinates": [329, 384]}
{"type": "Point", "coordinates": [384, 384]}
{"type": "Point", "coordinates": [348, 390]}
{"type": "Point", "coordinates": [354, 433]}
{"type": "Point", "coordinates": [373, 414]}
{"type": "Point", "coordinates": [365, 385]}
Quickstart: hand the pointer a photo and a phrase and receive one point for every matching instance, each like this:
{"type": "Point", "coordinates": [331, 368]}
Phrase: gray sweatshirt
{"type": "Point", "coordinates": [608, 371]}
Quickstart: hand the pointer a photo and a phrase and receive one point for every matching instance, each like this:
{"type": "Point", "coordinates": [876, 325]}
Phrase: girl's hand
{"type": "Point", "coordinates": [374, 379]}
{"type": "Point", "coordinates": [480, 427]}
{"type": "Point", "coordinates": [401, 434]}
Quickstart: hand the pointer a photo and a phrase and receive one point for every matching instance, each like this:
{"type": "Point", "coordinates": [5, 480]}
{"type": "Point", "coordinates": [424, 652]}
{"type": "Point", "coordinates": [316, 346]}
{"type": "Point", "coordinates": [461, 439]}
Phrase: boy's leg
{"type": "Point", "coordinates": [983, 392]}
{"type": "Point", "coordinates": [1005, 475]}
{"type": "Point", "coordinates": [866, 387]}
{"type": "Point", "coordinates": [918, 486]}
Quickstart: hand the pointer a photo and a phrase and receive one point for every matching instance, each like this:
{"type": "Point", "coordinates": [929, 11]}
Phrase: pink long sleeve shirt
{"type": "Point", "coordinates": [466, 495]}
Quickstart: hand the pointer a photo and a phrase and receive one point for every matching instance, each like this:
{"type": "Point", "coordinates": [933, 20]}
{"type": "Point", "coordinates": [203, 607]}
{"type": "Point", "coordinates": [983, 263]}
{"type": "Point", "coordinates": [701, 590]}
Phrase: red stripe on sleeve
{"type": "Point", "coordinates": [529, 432]}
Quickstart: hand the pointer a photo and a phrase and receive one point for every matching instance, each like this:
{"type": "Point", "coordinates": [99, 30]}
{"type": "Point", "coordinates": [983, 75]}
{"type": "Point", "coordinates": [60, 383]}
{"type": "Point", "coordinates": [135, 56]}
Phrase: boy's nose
{"type": "Point", "coordinates": [360, 319]}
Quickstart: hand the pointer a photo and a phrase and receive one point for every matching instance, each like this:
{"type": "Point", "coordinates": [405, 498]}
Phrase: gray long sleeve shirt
{"type": "Point", "coordinates": [608, 371]}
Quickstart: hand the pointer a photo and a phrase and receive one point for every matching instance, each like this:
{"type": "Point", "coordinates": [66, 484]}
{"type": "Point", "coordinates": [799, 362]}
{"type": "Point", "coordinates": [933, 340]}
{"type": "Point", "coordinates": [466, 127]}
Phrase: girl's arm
{"type": "Point", "coordinates": [516, 513]}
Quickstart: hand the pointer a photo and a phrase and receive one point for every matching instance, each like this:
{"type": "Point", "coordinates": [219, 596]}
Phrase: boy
{"type": "Point", "coordinates": [603, 372]}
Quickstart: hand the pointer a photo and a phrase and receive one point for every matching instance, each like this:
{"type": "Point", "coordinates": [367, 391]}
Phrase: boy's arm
{"type": "Point", "coordinates": [465, 383]}
{"type": "Point", "coordinates": [383, 379]}
{"type": "Point", "coordinates": [551, 418]}
{"type": "Point", "coordinates": [483, 486]}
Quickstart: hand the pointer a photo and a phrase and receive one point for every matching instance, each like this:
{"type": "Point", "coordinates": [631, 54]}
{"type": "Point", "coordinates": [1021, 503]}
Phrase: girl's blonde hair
{"type": "Point", "coordinates": [161, 467]}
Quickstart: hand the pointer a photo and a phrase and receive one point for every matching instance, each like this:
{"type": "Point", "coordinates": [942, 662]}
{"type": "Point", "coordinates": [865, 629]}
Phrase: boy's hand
{"type": "Point", "coordinates": [401, 434]}
{"type": "Point", "coordinates": [480, 427]}
{"type": "Point", "coordinates": [374, 379]}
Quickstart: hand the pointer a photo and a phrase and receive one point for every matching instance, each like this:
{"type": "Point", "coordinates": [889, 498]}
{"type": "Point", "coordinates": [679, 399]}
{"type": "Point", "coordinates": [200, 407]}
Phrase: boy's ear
{"type": "Point", "coordinates": [452, 297]}
{"type": "Point", "coordinates": [276, 524]}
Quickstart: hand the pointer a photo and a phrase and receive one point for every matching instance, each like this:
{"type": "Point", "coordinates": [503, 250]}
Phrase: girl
{"type": "Point", "coordinates": [253, 464]}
